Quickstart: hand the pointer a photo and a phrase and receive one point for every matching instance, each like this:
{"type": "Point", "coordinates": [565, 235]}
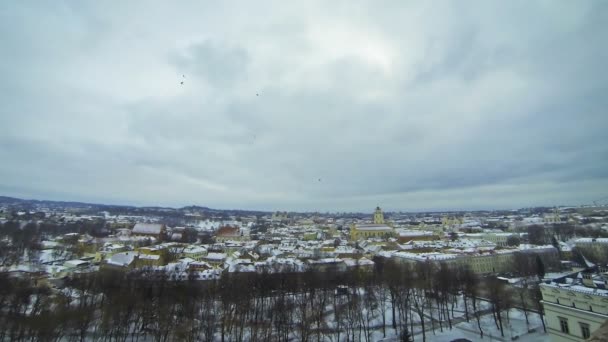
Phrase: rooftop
{"type": "Point", "coordinates": [148, 228]}
{"type": "Point", "coordinates": [373, 227]}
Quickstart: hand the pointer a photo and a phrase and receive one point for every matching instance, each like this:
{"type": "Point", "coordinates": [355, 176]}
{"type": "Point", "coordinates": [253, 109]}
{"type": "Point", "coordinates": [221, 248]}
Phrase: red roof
{"type": "Point", "coordinates": [228, 231]}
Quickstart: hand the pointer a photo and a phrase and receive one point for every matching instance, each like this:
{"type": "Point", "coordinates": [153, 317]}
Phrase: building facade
{"type": "Point", "coordinates": [575, 306]}
{"type": "Point", "coordinates": [365, 231]}
{"type": "Point", "coordinates": [486, 262]}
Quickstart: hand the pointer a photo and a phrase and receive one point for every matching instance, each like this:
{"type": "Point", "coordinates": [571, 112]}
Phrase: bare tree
{"type": "Point", "coordinates": [500, 300]}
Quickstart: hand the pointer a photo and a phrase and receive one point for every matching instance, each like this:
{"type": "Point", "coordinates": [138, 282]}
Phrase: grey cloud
{"type": "Point", "coordinates": [214, 62]}
{"type": "Point", "coordinates": [409, 106]}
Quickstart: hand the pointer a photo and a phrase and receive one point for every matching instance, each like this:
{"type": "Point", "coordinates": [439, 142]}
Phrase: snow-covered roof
{"type": "Point", "coordinates": [216, 256]}
{"type": "Point", "coordinates": [412, 233]}
{"type": "Point", "coordinates": [325, 261]}
{"type": "Point", "coordinates": [241, 268]}
{"type": "Point", "coordinates": [580, 288]}
{"type": "Point", "coordinates": [526, 247]}
{"type": "Point", "coordinates": [591, 240]}
{"type": "Point", "coordinates": [49, 244]}
{"type": "Point", "coordinates": [148, 228]}
{"type": "Point", "coordinates": [108, 246]}
{"type": "Point", "coordinates": [425, 256]}
{"type": "Point", "coordinates": [199, 264]}
{"type": "Point", "coordinates": [75, 263]}
{"type": "Point", "coordinates": [149, 256]}
{"type": "Point", "coordinates": [195, 249]}
{"type": "Point", "coordinates": [373, 227]}
{"type": "Point", "coordinates": [360, 262]}
{"type": "Point", "coordinates": [565, 247]}
{"type": "Point", "coordinates": [122, 259]}
{"type": "Point", "coordinates": [49, 255]}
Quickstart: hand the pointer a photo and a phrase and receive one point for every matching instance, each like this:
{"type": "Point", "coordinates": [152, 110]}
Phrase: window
{"type": "Point", "coordinates": [563, 323]}
{"type": "Point", "coordinates": [585, 330]}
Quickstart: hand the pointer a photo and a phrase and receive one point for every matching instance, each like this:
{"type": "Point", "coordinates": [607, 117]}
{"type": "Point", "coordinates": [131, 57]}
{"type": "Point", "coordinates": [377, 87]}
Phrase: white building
{"type": "Point", "coordinates": [499, 239]}
{"type": "Point", "coordinates": [148, 229]}
{"type": "Point", "coordinates": [591, 242]}
{"type": "Point", "coordinates": [575, 305]}
{"type": "Point", "coordinates": [195, 252]}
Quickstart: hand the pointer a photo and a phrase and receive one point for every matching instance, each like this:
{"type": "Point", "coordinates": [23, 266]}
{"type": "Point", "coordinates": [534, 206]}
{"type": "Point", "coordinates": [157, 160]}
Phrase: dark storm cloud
{"type": "Point", "coordinates": [425, 105]}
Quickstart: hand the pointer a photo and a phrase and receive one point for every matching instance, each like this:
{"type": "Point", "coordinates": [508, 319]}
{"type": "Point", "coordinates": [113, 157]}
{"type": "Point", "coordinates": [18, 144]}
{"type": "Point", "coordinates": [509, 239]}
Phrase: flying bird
{"type": "Point", "coordinates": [319, 179]}
{"type": "Point", "coordinates": [257, 94]}
{"type": "Point", "coordinates": [182, 82]}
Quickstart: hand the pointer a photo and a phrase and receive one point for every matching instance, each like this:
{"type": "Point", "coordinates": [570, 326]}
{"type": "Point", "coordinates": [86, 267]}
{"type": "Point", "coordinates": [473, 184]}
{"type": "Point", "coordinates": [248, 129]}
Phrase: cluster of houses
{"type": "Point", "coordinates": [295, 244]}
{"type": "Point", "coordinates": [282, 247]}
{"type": "Point", "coordinates": [576, 304]}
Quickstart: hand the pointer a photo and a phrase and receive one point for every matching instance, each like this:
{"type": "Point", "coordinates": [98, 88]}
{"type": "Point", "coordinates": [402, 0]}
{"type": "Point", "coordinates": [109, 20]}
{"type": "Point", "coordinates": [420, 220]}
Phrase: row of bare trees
{"type": "Point", "coordinates": [394, 297]}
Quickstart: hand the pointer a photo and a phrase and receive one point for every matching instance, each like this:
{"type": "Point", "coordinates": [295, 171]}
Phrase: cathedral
{"type": "Point", "coordinates": [378, 229]}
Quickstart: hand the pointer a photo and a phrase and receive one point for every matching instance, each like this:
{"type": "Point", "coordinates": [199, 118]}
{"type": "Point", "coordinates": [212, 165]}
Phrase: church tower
{"type": "Point", "coordinates": [378, 216]}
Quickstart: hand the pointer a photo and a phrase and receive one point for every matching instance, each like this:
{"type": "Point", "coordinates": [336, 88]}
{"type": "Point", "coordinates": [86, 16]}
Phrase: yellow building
{"type": "Point", "coordinates": [194, 252]}
{"type": "Point", "coordinates": [376, 230]}
{"type": "Point", "coordinates": [486, 263]}
{"type": "Point", "coordinates": [131, 260]}
{"type": "Point", "coordinates": [490, 263]}
{"type": "Point", "coordinates": [151, 250]}
{"type": "Point", "coordinates": [407, 235]}
{"type": "Point", "coordinates": [447, 221]}
{"type": "Point", "coordinates": [309, 236]}
{"type": "Point", "coordinates": [499, 239]}
{"type": "Point", "coordinates": [108, 250]}
{"type": "Point", "coordinates": [143, 260]}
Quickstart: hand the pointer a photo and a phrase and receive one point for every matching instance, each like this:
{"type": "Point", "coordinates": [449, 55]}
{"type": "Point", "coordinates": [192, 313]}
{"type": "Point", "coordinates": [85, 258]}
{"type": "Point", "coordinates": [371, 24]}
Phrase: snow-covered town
{"type": "Point", "coordinates": [563, 248]}
{"type": "Point", "coordinates": [315, 171]}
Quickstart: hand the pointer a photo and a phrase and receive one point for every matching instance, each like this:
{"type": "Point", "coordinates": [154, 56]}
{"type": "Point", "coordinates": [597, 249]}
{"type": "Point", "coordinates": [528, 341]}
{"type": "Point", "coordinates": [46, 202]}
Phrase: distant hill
{"type": "Point", "coordinates": [13, 200]}
{"type": "Point", "coordinates": [96, 207]}
{"type": "Point", "coordinates": [195, 208]}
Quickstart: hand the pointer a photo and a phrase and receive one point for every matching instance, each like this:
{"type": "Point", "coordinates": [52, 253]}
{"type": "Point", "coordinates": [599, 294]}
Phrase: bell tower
{"type": "Point", "coordinates": [378, 216]}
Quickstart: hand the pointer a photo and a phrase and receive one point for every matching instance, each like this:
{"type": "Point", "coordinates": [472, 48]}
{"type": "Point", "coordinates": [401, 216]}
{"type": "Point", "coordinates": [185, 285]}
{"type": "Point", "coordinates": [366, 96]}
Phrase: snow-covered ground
{"type": "Point", "coordinates": [514, 327]}
{"type": "Point", "coordinates": [454, 334]}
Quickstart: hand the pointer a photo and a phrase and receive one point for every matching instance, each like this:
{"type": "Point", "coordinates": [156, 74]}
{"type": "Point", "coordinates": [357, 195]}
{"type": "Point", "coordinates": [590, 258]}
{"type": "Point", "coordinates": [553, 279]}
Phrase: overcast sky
{"type": "Point", "coordinates": [408, 105]}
